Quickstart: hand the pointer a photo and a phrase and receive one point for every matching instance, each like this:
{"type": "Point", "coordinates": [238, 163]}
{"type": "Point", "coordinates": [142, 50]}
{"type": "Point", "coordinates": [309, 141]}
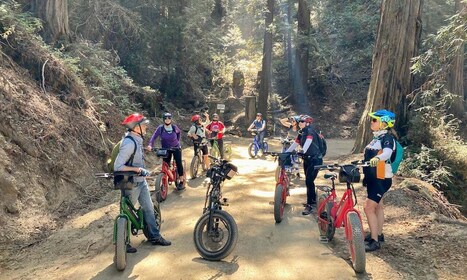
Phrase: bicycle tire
{"type": "Point", "coordinates": [194, 166]}
{"type": "Point", "coordinates": [215, 151]}
{"type": "Point", "coordinates": [161, 187]}
{"type": "Point", "coordinates": [212, 248]}
{"type": "Point", "coordinates": [121, 236]}
{"type": "Point", "coordinates": [331, 230]}
{"type": "Point", "coordinates": [355, 241]}
{"type": "Point", "coordinates": [265, 147]}
{"type": "Point", "coordinates": [227, 151]}
{"type": "Point", "coordinates": [279, 203]}
{"type": "Point", "coordinates": [322, 227]}
{"type": "Point", "coordinates": [252, 151]}
{"type": "Point", "coordinates": [158, 216]}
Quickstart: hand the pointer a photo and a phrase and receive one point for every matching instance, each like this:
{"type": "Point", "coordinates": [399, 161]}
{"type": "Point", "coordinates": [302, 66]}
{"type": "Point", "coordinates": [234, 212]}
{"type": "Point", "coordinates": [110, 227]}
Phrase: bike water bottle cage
{"type": "Point", "coordinates": [349, 173]}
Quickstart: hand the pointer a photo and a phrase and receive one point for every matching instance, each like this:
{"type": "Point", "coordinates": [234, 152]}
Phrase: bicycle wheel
{"type": "Point", "coordinates": [265, 147]}
{"type": "Point", "coordinates": [279, 203]}
{"type": "Point", "coordinates": [215, 151]}
{"type": "Point", "coordinates": [252, 150]}
{"type": "Point", "coordinates": [194, 166]}
{"type": "Point", "coordinates": [157, 215]}
{"type": "Point", "coordinates": [219, 242]}
{"type": "Point", "coordinates": [227, 152]}
{"type": "Point", "coordinates": [121, 236]}
{"type": "Point", "coordinates": [277, 174]}
{"type": "Point", "coordinates": [161, 188]}
{"type": "Point", "coordinates": [355, 241]}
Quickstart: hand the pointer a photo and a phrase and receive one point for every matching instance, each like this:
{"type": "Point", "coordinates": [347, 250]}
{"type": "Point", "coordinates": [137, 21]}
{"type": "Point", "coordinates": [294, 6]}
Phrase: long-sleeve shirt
{"type": "Point", "coordinates": [127, 147]}
{"type": "Point", "coordinates": [170, 136]}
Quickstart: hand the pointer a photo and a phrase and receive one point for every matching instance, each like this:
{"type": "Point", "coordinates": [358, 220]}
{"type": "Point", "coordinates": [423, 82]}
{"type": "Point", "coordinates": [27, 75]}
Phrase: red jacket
{"type": "Point", "coordinates": [215, 127]}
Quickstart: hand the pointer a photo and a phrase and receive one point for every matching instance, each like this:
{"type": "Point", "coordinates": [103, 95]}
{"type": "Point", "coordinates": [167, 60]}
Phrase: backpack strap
{"type": "Point", "coordinates": [130, 161]}
{"type": "Point", "coordinates": [394, 146]}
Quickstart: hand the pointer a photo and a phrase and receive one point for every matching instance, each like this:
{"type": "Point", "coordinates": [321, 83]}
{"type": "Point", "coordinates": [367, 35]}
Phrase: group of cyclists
{"type": "Point", "coordinates": [378, 176]}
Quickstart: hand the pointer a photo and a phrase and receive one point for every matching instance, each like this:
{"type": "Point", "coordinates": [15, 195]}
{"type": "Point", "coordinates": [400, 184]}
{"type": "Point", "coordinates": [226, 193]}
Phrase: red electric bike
{"type": "Point", "coordinates": [282, 184]}
{"type": "Point", "coordinates": [167, 176]}
{"type": "Point", "coordinates": [334, 213]}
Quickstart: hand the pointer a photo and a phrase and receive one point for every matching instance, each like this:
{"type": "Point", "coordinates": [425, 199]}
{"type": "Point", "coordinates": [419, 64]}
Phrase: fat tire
{"type": "Point", "coordinates": [161, 188]}
{"type": "Point", "coordinates": [279, 205]}
{"type": "Point", "coordinates": [355, 242]}
{"type": "Point", "coordinates": [215, 151]}
{"type": "Point", "coordinates": [331, 228]}
{"type": "Point", "coordinates": [200, 228]}
{"type": "Point", "coordinates": [277, 174]}
{"type": "Point", "coordinates": [227, 152]}
{"type": "Point", "coordinates": [265, 147]}
{"type": "Point", "coordinates": [121, 237]}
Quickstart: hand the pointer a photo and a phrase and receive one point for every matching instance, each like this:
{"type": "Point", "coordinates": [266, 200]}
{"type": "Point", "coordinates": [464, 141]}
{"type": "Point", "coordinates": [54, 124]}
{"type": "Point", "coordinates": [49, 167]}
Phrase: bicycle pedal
{"type": "Point", "coordinates": [323, 239]}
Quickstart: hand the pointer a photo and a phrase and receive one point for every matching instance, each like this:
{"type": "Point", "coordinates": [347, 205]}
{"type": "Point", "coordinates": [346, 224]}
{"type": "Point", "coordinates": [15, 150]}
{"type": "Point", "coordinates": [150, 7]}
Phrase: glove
{"type": "Point", "coordinates": [143, 172]}
{"type": "Point", "coordinates": [374, 161]}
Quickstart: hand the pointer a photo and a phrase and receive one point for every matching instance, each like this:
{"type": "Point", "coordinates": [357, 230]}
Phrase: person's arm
{"type": "Point", "coordinates": [263, 127]}
{"type": "Point", "coordinates": [222, 127]}
{"type": "Point", "coordinates": [285, 122]}
{"type": "Point", "coordinates": [192, 132]}
{"type": "Point", "coordinates": [179, 132]}
{"type": "Point", "coordinates": [207, 121]}
{"type": "Point", "coordinates": [154, 137]}
{"type": "Point", "coordinates": [251, 126]}
{"type": "Point", "coordinates": [308, 141]}
{"type": "Point", "coordinates": [292, 147]}
{"type": "Point", "coordinates": [126, 150]}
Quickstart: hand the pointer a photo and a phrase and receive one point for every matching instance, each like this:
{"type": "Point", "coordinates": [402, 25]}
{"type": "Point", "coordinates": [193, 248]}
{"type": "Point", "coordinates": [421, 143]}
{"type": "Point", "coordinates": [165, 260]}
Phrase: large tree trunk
{"type": "Point", "coordinates": [266, 72]}
{"type": "Point", "coordinates": [219, 11]}
{"type": "Point", "coordinates": [396, 44]}
{"type": "Point", "coordinates": [289, 47]}
{"type": "Point", "coordinates": [302, 56]}
{"type": "Point", "coordinates": [455, 77]}
{"type": "Point", "coordinates": [54, 15]}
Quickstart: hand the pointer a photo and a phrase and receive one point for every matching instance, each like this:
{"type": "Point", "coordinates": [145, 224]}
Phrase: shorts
{"type": "Point", "coordinates": [203, 148]}
{"type": "Point", "coordinates": [376, 188]}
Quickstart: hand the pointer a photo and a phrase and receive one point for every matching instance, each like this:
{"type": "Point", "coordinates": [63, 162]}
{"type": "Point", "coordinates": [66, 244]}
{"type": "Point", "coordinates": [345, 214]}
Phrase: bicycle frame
{"type": "Point", "coordinates": [130, 213]}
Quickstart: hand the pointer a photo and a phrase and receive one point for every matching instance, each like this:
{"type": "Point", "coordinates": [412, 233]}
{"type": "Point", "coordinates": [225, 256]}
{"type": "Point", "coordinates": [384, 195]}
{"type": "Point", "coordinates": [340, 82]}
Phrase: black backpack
{"type": "Point", "coordinates": [323, 146]}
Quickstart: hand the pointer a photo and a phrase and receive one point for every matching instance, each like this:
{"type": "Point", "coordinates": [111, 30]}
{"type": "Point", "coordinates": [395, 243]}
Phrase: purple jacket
{"type": "Point", "coordinates": [168, 140]}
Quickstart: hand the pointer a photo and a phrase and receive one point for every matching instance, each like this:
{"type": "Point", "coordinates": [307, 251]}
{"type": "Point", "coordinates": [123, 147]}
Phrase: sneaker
{"type": "Point", "coordinates": [130, 249]}
{"type": "Point", "coordinates": [160, 241]}
{"type": "Point", "coordinates": [373, 245]}
{"type": "Point", "coordinates": [380, 237]}
{"type": "Point", "coordinates": [181, 186]}
{"type": "Point", "coordinates": [307, 210]}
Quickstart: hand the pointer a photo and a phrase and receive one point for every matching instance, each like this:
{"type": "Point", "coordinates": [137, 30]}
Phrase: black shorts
{"type": "Point", "coordinates": [203, 148]}
{"type": "Point", "coordinates": [376, 188]}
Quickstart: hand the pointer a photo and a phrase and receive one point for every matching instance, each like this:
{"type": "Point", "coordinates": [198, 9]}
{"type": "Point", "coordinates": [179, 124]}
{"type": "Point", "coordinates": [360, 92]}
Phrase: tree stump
{"type": "Point", "coordinates": [250, 108]}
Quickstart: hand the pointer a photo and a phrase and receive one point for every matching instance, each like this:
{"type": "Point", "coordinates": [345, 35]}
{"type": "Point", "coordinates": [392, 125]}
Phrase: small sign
{"type": "Point", "coordinates": [221, 107]}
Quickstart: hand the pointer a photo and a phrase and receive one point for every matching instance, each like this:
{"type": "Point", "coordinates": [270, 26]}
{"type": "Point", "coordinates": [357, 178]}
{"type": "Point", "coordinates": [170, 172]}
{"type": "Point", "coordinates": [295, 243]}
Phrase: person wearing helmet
{"type": "Point", "coordinates": [216, 130]}
{"type": "Point", "coordinates": [170, 139]}
{"type": "Point", "coordinates": [308, 139]}
{"type": "Point", "coordinates": [197, 133]}
{"type": "Point", "coordinates": [292, 124]}
{"type": "Point", "coordinates": [378, 177]}
{"type": "Point", "coordinates": [136, 125]}
{"type": "Point", "coordinates": [260, 125]}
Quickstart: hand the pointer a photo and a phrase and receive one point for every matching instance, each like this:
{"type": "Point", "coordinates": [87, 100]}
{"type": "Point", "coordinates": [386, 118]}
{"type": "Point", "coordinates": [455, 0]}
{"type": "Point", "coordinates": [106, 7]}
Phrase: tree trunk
{"type": "Point", "coordinates": [266, 72]}
{"type": "Point", "coordinates": [238, 83]}
{"type": "Point", "coordinates": [455, 77]}
{"type": "Point", "coordinates": [54, 15]}
{"type": "Point", "coordinates": [250, 109]}
{"type": "Point", "coordinates": [219, 12]}
{"type": "Point", "coordinates": [289, 50]}
{"type": "Point", "coordinates": [302, 56]}
{"type": "Point", "coordinates": [396, 44]}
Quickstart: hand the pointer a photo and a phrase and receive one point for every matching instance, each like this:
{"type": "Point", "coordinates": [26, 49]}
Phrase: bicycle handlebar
{"type": "Point", "coordinates": [117, 173]}
{"type": "Point", "coordinates": [334, 166]}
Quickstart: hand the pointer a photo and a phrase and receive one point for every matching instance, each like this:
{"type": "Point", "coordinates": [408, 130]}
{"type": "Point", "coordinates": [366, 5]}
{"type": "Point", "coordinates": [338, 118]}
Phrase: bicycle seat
{"type": "Point", "coordinates": [332, 175]}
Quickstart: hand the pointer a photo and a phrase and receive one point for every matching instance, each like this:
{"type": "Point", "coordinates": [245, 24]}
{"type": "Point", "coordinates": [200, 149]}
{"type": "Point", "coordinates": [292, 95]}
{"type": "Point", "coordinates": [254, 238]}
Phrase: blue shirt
{"type": "Point", "coordinates": [126, 150]}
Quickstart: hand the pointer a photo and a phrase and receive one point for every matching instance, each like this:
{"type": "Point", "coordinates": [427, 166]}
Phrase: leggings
{"type": "Point", "coordinates": [310, 176]}
{"type": "Point", "coordinates": [178, 160]}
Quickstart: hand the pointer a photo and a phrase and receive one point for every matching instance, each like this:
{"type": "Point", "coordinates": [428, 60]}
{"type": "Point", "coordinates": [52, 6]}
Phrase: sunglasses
{"type": "Point", "coordinates": [302, 121]}
{"type": "Point", "coordinates": [374, 120]}
{"type": "Point", "coordinates": [169, 118]}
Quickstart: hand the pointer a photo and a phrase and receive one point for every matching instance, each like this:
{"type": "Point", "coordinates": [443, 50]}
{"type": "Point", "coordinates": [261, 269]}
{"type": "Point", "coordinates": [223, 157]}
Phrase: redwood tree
{"type": "Point", "coordinates": [396, 44]}
{"type": "Point", "coordinates": [54, 15]}
{"type": "Point", "coordinates": [302, 55]}
{"type": "Point", "coordinates": [266, 72]}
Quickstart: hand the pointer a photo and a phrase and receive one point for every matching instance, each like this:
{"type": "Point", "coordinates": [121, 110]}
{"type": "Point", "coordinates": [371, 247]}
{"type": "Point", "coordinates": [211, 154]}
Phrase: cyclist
{"type": "Point", "coordinates": [198, 133]}
{"type": "Point", "coordinates": [170, 139]}
{"type": "Point", "coordinates": [260, 125]}
{"type": "Point", "coordinates": [216, 130]}
{"type": "Point", "coordinates": [378, 177]}
{"type": "Point", "coordinates": [307, 140]}
{"type": "Point", "coordinates": [137, 125]}
{"type": "Point", "coordinates": [292, 124]}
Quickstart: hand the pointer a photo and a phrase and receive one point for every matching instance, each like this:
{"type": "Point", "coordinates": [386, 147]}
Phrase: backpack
{"type": "Point", "coordinates": [323, 146]}
{"type": "Point", "coordinates": [114, 154]}
{"type": "Point", "coordinates": [397, 156]}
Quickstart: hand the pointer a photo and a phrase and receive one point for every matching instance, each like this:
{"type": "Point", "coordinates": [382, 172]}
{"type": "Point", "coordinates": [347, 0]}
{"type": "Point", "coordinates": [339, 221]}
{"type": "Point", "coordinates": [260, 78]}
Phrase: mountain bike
{"type": "Point", "coordinates": [129, 220]}
{"type": "Point", "coordinates": [215, 150]}
{"type": "Point", "coordinates": [292, 169]}
{"type": "Point", "coordinates": [198, 161]}
{"type": "Point", "coordinates": [167, 176]}
{"type": "Point", "coordinates": [254, 147]}
{"type": "Point", "coordinates": [216, 233]}
{"type": "Point", "coordinates": [282, 186]}
{"type": "Point", "coordinates": [332, 215]}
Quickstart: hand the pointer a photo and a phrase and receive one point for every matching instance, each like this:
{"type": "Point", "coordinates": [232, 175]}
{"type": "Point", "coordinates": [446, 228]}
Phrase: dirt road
{"type": "Point", "coordinates": [82, 249]}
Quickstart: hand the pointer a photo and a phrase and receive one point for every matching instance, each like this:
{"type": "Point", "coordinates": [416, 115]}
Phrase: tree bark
{"type": "Point", "coordinates": [396, 44]}
{"type": "Point", "coordinates": [302, 55]}
{"type": "Point", "coordinates": [289, 47]}
{"type": "Point", "coordinates": [54, 16]}
{"type": "Point", "coordinates": [455, 77]}
{"type": "Point", "coordinates": [219, 12]}
{"type": "Point", "coordinates": [250, 108]}
{"type": "Point", "coordinates": [266, 72]}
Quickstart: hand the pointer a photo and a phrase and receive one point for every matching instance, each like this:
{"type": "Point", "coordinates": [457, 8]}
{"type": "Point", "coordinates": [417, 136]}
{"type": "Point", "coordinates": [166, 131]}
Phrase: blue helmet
{"type": "Point", "coordinates": [384, 116]}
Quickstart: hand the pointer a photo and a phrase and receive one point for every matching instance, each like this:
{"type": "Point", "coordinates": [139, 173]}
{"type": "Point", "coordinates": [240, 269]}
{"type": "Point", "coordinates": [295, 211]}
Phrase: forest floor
{"type": "Point", "coordinates": [421, 243]}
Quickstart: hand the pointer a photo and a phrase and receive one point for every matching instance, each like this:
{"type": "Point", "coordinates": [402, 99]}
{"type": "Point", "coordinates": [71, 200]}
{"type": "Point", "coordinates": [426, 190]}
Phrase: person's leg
{"type": "Point", "coordinates": [370, 211]}
{"type": "Point", "coordinates": [261, 139]}
{"type": "Point", "coordinates": [380, 216]}
{"type": "Point", "coordinates": [204, 149]}
{"type": "Point", "coordinates": [168, 158]}
{"type": "Point", "coordinates": [220, 143]}
{"type": "Point", "coordinates": [310, 182]}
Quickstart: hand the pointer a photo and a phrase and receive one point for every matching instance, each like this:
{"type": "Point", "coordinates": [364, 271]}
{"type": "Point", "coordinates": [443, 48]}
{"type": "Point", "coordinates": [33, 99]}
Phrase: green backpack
{"type": "Point", "coordinates": [114, 154]}
{"type": "Point", "coordinates": [397, 155]}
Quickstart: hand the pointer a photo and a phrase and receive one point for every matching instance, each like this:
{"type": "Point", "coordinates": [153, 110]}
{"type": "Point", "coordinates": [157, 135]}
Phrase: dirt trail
{"type": "Point", "coordinates": [265, 250]}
